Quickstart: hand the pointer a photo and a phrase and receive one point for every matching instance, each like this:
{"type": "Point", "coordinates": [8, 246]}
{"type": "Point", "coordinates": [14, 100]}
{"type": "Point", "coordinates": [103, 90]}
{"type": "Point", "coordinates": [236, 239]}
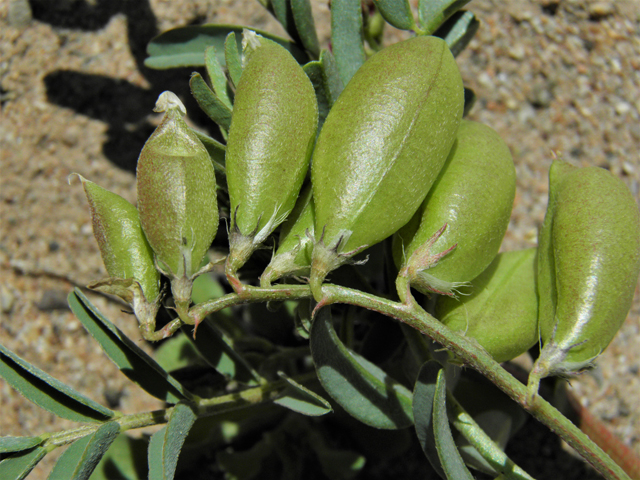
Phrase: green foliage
{"type": "Point", "coordinates": [359, 386]}
{"type": "Point", "coordinates": [49, 393]}
{"type": "Point", "coordinates": [301, 389]}
{"type": "Point", "coordinates": [128, 357]}
{"type": "Point", "coordinates": [166, 443]}
{"type": "Point", "coordinates": [81, 457]}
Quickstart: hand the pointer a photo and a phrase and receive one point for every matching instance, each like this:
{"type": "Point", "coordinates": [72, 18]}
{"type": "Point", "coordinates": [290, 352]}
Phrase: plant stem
{"type": "Point", "coordinates": [248, 294]}
{"type": "Point", "coordinates": [463, 348]}
{"type": "Point", "coordinates": [476, 436]}
{"type": "Point", "coordinates": [477, 358]}
{"type": "Point", "coordinates": [205, 407]}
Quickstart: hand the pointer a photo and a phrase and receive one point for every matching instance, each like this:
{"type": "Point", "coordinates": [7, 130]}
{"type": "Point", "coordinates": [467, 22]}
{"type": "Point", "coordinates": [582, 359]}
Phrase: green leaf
{"type": "Point", "coordinates": [300, 399]}
{"type": "Point", "coordinates": [397, 13]}
{"type": "Point", "coordinates": [423, 401]}
{"type": "Point", "coordinates": [347, 37]}
{"type": "Point", "coordinates": [450, 458]}
{"type": "Point", "coordinates": [49, 393]}
{"type": "Point", "coordinates": [82, 456]}
{"type": "Point", "coordinates": [433, 13]}
{"type": "Point", "coordinates": [216, 151]}
{"type": "Point", "coordinates": [126, 459]}
{"type": "Point", "coordinates": [17, 444]}
{"type": "Point", "coordinates": [232, 57]}
{"type": "Point", "coordinates": [128, 357]}
{"type": "Point", "coordinates": [458, 31]}
{"type": "Point", "coordinates": [302, 318]}
{"type": "Point", "coordinates": [326, 82]}
{"type": "Point", "coordinates": [177, 352]}
{"type": "Point", "coordinates": [18, 466]}
{"type": "Point", "coordinates": [331, 76]}
{"type": "Point", "coordinates": [185, 46]}
{"type": "Point", "coordinates": [315, 73]}
{"type": "Point", "coordinates": [215, 108]}
{"type": "Point", "coordinates": [363, 389]}
{"type": "Point", "coordinates": [165, 444]}
{"type": "Point", "coordinates": [296, 18]}
{"type": "Point", "coordinates": [217, 350]}
{"type": "Point", "coordinates": [485, 418]}
{"type": "Point", "coordinates": [217, 76]}
{"type": "Point", "coordinates": [305, 26]}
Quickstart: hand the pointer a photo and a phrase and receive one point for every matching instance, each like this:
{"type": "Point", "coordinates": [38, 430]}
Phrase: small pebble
{"type": "Point", "coordinates": [53, 300]}
{"type": "Point", "coordinates": [7, 299]}
{"type": "Point", "coordinates": [600, 10]}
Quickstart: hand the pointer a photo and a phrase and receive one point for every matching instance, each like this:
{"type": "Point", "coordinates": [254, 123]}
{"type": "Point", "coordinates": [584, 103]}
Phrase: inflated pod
{"type": "Point", "coordinates": [273, 129]}
{"type": "Point", "coordinates": [177, 193]}
{"type": "Point", "coordinates": [124, 248]}
{"type": "Point", "coordinates": [589, 261]}
{"type": "Point", "coordinates": [501, 313]}
{"type": "Point", "coordinates": [473, 196]}
{"type": "Point", "coordinates": [293, 256]}
{"type": "Point", "coordinates": [381, 148]}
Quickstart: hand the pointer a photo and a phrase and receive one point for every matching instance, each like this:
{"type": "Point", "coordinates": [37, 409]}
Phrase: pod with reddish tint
{"type": "Point", "coordinates": [177, 196]}
{"type": "Point", "coordinates": [124, 248]}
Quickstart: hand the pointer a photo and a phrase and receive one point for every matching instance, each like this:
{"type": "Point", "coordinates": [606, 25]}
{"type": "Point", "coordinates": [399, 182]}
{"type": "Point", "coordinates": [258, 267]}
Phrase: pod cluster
{"type": "Point", "coordinates": [393, 160]}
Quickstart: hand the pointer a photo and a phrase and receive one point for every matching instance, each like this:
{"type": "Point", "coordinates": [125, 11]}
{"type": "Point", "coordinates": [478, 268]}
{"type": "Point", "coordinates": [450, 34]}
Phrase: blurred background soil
{"type": "Point", "coordinates": [551, 76]}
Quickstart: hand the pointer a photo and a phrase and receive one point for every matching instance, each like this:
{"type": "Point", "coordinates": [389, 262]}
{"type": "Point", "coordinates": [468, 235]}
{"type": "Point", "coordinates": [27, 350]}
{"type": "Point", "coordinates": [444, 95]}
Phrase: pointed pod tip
{"type": "Point", "coordinates": [167, 101]}
{"type": "Point", "coordinates": [75, 174]}
{"type": "Point", "coordinates": [250, 39]}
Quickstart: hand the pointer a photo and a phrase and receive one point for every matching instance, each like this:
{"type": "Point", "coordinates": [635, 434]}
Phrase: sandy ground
{"type": "Point", "coordinates": [75, 97]}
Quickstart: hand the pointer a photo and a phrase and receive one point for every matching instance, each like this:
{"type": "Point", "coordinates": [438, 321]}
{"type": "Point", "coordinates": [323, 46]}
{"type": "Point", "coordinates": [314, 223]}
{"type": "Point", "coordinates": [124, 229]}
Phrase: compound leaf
{"type": "Point", "coordinates": [129, 358]}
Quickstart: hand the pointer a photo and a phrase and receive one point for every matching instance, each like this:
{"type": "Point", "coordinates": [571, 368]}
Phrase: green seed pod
{"type": "Point", "coordinates": [501, 313]}
{"type": "Point", "coordinates": [273, 128]}
{"type": "Point", "coordinates": [125, 251]}
{"type": "Point", "coordinates": [588, 267]}
{"type": "Point", "coordinates": [177, 193]}
{"type": "Point", "coordinates": [293, 256]}
{"type": "Point", "coordinates": [381, 148]}
{"type": "Point", "coordinates": [473, 196]}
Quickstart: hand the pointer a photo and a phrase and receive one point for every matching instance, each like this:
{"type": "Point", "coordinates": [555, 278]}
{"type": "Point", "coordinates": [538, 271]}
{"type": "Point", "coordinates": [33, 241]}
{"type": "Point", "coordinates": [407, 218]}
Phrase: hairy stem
{"type": "Point", "coordinates": [410, 313]}
{"type": "Point", "coordinates": [205, 407]}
